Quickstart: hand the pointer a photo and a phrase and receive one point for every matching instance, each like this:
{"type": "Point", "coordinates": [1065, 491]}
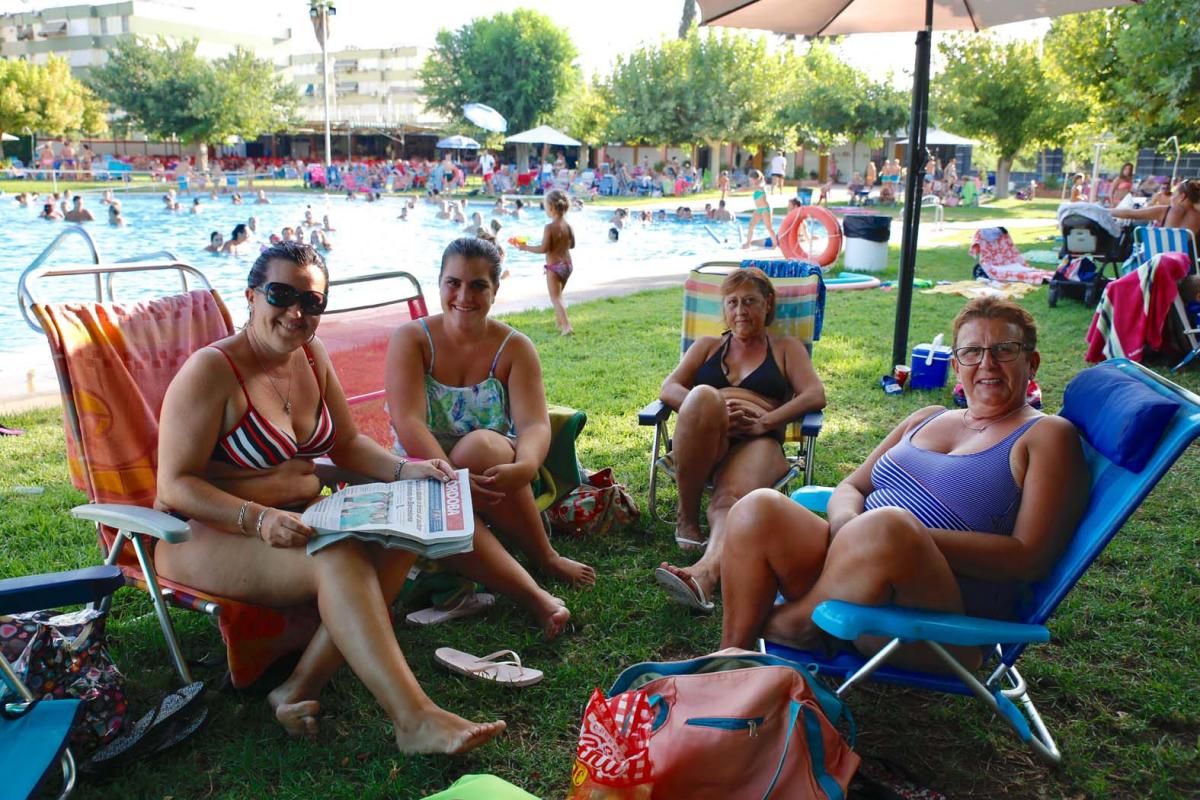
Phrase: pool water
{"type": "Point", "coordinates": [368, 238]}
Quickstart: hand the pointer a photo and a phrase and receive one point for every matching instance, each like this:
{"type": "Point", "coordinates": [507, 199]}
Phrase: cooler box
{"type": "Point", "coordinates": [867, 238]}
{"type": "Point", "coordinates": [933, 375]}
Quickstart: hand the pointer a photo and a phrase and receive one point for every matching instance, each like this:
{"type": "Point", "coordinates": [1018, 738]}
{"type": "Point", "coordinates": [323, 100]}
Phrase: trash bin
{"type": "Point", "coordinates": [804, 195]}
{"type": "Point", "coordinates": [867, 238]}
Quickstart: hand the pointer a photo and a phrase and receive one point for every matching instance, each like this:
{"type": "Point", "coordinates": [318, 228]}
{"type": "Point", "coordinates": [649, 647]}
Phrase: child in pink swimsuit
{"type": "Point", "coordinates": [557, 242]}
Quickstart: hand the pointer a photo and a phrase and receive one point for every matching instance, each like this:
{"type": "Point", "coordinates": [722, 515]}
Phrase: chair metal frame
{"type": "Point", "coordinates": [1116, 494]}
{"type": "Point", "coordinates": [658, 414]}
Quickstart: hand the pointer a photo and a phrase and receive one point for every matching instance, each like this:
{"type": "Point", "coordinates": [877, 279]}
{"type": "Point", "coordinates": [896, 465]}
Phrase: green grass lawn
{"type": "Point", "coordinates": [1115, 684]}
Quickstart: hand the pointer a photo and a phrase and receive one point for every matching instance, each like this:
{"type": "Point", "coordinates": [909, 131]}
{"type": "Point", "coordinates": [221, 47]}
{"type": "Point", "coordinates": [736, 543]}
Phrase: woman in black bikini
{"type": "Point", "coordinates": [734, 394]}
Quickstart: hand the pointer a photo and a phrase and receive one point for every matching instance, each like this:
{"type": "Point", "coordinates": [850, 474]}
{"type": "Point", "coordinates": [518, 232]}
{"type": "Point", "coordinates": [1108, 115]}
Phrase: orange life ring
{"type": "Point", "coordinates": [789, 235]}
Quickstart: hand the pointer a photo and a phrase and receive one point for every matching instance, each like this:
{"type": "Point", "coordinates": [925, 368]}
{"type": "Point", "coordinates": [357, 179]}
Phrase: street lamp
{"type": "Point", "coordinates": [319, 11]}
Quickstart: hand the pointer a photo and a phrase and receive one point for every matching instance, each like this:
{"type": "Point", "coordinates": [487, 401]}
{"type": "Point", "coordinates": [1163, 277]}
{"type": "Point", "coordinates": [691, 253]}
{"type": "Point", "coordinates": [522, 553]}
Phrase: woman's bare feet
{"type": "Point", "coordinates": [438, 731]}
{"type": "Point", "coordinates": [298, 717]}
{"type": "Point", "coordinates": [573, 572]}
{"type": "Point", "coordinates": [704, 579]}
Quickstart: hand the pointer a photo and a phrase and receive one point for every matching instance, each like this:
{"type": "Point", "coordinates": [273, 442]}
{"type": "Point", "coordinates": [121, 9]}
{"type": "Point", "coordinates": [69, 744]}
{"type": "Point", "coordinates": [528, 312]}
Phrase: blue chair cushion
{"type": "Point", "coordinates": [1119, 415]}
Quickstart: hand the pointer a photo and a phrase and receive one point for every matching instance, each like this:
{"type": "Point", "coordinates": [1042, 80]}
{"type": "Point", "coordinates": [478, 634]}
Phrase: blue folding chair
{"type": "Point", "coordinates": [1116, 493]}
{"type": "Point", "coordinates": [1149, 242]}
{"type": "Point", "coordinates": [34, 734]}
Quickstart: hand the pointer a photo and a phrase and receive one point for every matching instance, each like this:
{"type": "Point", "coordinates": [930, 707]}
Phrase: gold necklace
{"type": "Point", "coordinates": [287, 401]}
{"type": "Point", "coordinates": [963, 419]}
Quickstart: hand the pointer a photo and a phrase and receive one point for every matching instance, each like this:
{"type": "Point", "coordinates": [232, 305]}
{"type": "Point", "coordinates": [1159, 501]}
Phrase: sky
{"type": "Point", "coordinates": [599, 29]}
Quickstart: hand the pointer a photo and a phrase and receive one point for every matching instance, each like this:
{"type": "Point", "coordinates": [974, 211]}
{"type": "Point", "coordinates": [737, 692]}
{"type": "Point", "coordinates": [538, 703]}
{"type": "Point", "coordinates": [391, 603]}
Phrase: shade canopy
{"type": "Point", "coordinates": [458, 143]}
{"type": "Point", "coordinates": [839, 17]}
{"type": "Point", "coordinates": [937, 136]}
{"type": "Point", "coordinates": [8, 137]}
{"type": "Point", "coordinates": [485, 117]}
{"type": "Point", "coordinates": [543, 134]}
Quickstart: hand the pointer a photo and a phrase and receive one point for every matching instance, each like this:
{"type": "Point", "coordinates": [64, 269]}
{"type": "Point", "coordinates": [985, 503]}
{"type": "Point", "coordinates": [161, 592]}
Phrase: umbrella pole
{"type": "Point", "coordinates": [912, 189]}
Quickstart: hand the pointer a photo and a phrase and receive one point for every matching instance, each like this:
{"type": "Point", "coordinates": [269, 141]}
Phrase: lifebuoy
{"type": "Point", "coordinates": [793, 223]}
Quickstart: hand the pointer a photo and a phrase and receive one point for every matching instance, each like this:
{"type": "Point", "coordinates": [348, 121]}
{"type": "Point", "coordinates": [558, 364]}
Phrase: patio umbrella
{"type": "Point", "coordinates": [485, 117]}
{"type": "Point", "coordinates": [8, 137]}
{"type": "Point", "coordinates": [458, 142]}
{"type": "Point", "coordinates": [543, 134]}
{"type": "Point", "coordinates": [837, 17]}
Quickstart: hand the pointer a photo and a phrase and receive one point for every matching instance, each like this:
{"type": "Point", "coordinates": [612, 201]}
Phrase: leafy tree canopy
{"type": "Point", "coordinates": [1136, 65]}
{"type": "Point", "coordinates": [585, 113]}
{"type": "Point", "coordinates": [710, 87]}
{"type": "Point", "coordinates": [1000, 93]}
{"type": "Point", "coordinates": [168, 90]}
{"type": "Point", "coordinates": [46, 99]}
{"type": "Point", "coordinates": [521, 64]}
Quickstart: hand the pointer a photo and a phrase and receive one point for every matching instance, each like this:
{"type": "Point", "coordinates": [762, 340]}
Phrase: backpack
{"type": "Point", "coordinates": [733, 725]}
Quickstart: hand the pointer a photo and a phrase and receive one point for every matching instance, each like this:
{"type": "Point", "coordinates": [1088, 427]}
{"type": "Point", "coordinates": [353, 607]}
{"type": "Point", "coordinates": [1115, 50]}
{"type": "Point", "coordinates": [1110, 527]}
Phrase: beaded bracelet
{"type": "Point", "coordinates": [241, 519]}
{"type": "Point", "coordinates": [399, 469]}
{"type": "Point", "coordinates": [258, 525]}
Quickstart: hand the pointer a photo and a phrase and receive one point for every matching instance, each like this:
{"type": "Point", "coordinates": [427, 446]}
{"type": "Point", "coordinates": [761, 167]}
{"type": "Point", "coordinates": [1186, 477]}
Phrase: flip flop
{"type": "Point", "coordinates": [6, 431]}
{"type": "Point", "coordinates": [687, 593]}
{"type": "Point", "coordinates": [140, 738]}
{"type": "Point", "coordinates": [180, 728]}
{"type": "Point", "coordinates": [468, 605]}
{"type": "Point", "coordinates": [508, 673]}
{"type": "Point", "coordinates": [690, 544]}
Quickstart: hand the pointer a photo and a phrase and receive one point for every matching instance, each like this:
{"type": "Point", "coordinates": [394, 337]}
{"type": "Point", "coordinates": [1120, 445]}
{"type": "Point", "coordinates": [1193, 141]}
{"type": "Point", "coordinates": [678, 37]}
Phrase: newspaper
{"type": "Point", "coordinates": [426, 516]}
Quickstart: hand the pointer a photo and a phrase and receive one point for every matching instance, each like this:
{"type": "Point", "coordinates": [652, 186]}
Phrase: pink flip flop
{"type": "Point", "coordinates": [508, 672]}
{"type": "Point", "coordinates": [467, 606]}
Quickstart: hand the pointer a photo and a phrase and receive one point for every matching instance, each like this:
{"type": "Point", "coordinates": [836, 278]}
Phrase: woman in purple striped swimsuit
{"type": "Point", "coordinates": [954, 511]}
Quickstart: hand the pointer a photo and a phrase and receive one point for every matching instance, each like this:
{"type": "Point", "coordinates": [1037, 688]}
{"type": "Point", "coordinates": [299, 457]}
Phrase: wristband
{"type": "Point", "coordinates": [399, 468]}
{"type": "Point", "coordinates": [258, 525]}
{"type": "Point", "coordinates": [241, 518]}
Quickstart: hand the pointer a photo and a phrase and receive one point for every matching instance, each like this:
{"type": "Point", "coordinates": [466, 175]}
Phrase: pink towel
{"type": "Point", "coordinates": [1134, 308]}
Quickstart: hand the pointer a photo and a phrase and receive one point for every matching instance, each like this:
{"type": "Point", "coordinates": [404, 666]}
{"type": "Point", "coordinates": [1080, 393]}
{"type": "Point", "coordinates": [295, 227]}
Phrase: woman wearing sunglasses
{"type": "Point", "coordinates": [954, 511]}
{"type": "Point", "coordinates": [241, 424]}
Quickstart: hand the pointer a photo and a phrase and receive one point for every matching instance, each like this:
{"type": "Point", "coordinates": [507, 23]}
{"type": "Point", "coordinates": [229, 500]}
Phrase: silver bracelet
{"type": "Point", "coordinates": [241, 521]}
{"type": "Point", "coordinates": [258, 525]}
{"type": "Point", "coordinates": [399, 468]}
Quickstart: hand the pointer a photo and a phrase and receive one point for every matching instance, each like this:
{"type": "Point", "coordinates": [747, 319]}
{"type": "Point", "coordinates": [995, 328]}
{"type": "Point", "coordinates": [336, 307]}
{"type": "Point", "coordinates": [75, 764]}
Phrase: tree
{"type": "Point", "coordinates": [1000, 93]}
{"type": "Point", "coordinates": [521, 64]}
{"type": "Point", "coordinates": [652, 101]}
{"type": "Point", "coordinates": [818, 104]}
{"type": "Point", "coordinates": [46, 99]}
{"type": "Point", "coordinates": [1134, 66]}
{"type": "Point", "coordinates": [688, 19]}
{"type": "Point", "coordinates": [168, 90]}
{"type": "Point", "coordinates": [584, 114]}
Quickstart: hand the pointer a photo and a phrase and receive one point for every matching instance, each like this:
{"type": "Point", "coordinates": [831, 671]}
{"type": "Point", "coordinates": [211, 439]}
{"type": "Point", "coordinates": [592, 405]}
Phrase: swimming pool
{"type": "Point", "coordinates": [368, 238]}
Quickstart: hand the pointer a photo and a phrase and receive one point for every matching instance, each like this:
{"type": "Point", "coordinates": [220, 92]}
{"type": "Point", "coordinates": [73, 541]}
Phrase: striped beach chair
{"type": "Point", "coordinates": [799, 312]}
{"type": "Point", "coordinates": [1152, 241]}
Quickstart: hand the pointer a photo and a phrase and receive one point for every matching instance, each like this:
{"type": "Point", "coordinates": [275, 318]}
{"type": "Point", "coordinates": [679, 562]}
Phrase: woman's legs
{"type": "Point", "coordinates": [555, 286]}
{"type": "Point", "coordinates": [880, 557]}
{"type": "Point", "coordinates": [701, 440]}
{"type": "Point", "coordinates": [750, 229]}
{"type": "Point", "coordinates": [353, 603]}
{"type": "Point", "coordinates": [750, 465]}
{"type": "Point", "coordinates": [517, 516]}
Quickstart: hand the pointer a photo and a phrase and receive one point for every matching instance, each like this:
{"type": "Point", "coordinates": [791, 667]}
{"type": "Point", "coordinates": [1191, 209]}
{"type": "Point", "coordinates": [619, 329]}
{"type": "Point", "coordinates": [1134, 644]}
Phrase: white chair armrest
{"type": "Point", "coordinates": [135, 519]}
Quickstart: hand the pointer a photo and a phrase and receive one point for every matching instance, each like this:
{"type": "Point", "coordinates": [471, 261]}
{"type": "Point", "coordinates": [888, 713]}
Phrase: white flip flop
{"type": "Point", "coordinates": [687, 593]}
{"type": "Point", "coordinates": [508, 672]}
{"type": "Point", "coordinates": [468, 605]}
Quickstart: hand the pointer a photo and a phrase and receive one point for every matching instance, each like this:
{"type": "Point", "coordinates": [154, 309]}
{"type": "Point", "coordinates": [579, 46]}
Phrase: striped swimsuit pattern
{"type": "Point", "coordinates": [255, 443]}
{"type": "Point", "coordinates": [973, 493]}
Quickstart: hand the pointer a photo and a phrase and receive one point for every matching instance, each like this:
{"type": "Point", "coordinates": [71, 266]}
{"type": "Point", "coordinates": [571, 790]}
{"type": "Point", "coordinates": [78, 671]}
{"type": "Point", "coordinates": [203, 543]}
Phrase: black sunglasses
{"type": "Point", "coordinates": [284, 295]}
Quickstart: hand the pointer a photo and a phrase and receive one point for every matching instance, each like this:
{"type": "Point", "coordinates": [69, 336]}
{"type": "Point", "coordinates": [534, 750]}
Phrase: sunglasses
{"type": "Point", "coordinates": [284, 295]}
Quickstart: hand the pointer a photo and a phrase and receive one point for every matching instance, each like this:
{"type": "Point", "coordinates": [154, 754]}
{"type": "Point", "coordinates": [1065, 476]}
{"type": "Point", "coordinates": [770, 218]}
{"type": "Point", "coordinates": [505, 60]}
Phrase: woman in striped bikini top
{"type": "Point", "coordinates": [954, 511]}
{"type": "Point", "coordinates": [239, 428]}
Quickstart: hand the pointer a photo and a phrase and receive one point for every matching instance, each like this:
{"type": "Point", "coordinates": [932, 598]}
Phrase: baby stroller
{"type": "Point", "coordinates": [1092, 240]}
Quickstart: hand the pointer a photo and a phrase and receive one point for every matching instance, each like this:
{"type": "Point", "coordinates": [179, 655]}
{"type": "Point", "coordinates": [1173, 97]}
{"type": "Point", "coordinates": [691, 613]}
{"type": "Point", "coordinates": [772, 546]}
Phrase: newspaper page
{"type": "Point", "coordinates": [426, 516]}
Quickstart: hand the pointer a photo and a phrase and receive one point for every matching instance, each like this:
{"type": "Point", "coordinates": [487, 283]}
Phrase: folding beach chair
{"type": "Point", "coordinates": [799, 312]}
{"type": "Point", "coordinates": [114, 362]}
{"type": "Point", "coordinates": [1116, 492]}
{"type": "Point", "coordinates": [1149, 242]}
{"type": "Point", "coordinates": [34, 733]}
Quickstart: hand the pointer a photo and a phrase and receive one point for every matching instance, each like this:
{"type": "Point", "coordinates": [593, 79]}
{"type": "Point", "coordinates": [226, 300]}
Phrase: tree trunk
{"type": "Point", "coordinates": [582, 163]}
{"type": "Point", "coordinates": [714, 166]}
{"type": "Point", "coordinates": [202, 157]}
{"type": "Point", "coordinates": [853, 153]}
{"type": "Point", "coordinates": [1003, 167]}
